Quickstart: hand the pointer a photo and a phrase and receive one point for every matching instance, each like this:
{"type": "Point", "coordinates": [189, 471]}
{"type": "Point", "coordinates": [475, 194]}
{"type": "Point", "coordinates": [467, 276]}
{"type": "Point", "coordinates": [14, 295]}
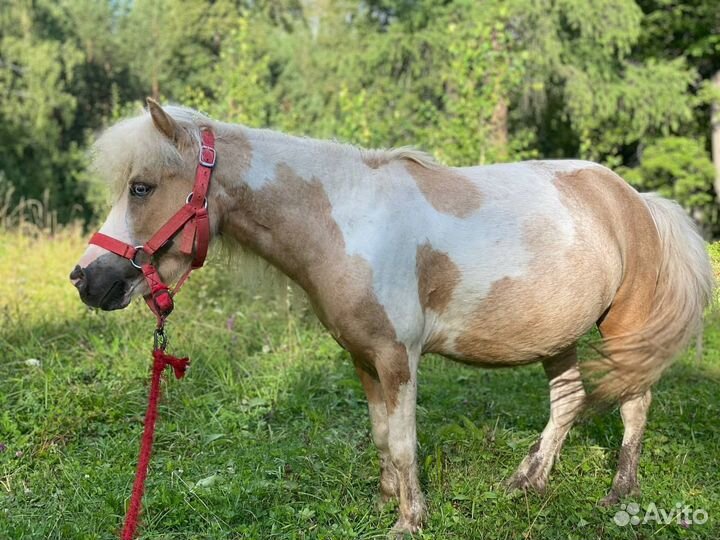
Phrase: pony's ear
{"type": "Point", "coordinates": [163, 121]}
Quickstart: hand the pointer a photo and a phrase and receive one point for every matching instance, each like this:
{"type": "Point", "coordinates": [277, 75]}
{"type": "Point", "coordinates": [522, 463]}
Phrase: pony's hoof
{"type": "Point", "coordinates": [522, 482]}
{"type": "Point", "coordinates": [384, 501]}
{"type": "Point", "coordinates": [404, 528]}
{"type": "Point", "coordinates": [611, 499]}
{"type": "Point", "coordinates": [615, 496]}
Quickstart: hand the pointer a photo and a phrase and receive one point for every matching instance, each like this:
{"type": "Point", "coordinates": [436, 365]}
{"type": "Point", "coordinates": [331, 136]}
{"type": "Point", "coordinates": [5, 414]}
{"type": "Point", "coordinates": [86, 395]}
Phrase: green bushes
{"type": "Point", "coordinates": [617, 81]}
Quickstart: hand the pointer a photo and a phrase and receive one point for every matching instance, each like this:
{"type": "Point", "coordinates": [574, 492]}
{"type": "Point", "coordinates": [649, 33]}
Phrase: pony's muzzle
{"type": "Point", "coordinates": [105, 282]}
{"type": "Point", "coordinates": [77, 277]}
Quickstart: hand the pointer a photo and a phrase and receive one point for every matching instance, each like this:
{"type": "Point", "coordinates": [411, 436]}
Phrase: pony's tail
{"type": "Point", "coordinates": [633, 362]}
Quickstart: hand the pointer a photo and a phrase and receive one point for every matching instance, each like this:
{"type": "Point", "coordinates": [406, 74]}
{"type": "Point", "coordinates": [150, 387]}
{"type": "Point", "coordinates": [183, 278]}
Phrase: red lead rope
{"type": "Point", "coordinates": [160, 362]}
{"type": "Point", "coordinates": [193, 222]}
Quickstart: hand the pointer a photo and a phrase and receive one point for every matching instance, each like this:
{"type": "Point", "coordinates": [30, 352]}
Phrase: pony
{"type": "Point", "coordinates": [496, 265]}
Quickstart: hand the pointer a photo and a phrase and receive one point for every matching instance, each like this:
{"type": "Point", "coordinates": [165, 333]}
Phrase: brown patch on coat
{"type": "Point", "coordinates": [615, 203]}
{"type": "Point", "coordinates": [437, 275]}
{"type": "Point", "coordinates": [171, 180]}
{"type": "Point", "coordinates": [437, 342]}
{"type": "Point", "coordinates": [289, 223]}
{"type": "Point", "coordinates": [448, 191]}
{"type": "Point", "coordinates": [370, 383]}
{"type": "Point", "coordinates": [622, 324]}
{"type": "Point", "coordinates": [518, 321]}
{"type": "Point", "coordinates": [234, 153]}
{"type": "Point", "coordinates": [170, 188]}
{"type": "Point", "coordinates": [522, 319]}
{"type": "Point", "coordinates": [172, 183]}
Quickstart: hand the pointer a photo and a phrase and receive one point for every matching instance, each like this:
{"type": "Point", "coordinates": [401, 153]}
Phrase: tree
{"type": "Point", "coordinates": [37, 109]}
{"type": "Point", "coordinates": [616, 81]}
{"type": "Point", "coordinates": [679, 168]}
{"type": "Point", "coordinates": [690, 29]}
{"type": "Point", "coordinates": [170, 45]}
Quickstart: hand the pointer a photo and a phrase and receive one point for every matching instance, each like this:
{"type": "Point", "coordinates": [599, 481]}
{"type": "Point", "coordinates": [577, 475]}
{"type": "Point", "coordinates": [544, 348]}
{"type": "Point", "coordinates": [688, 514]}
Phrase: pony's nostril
{"type": "Point", "coordinates": [77, 276]}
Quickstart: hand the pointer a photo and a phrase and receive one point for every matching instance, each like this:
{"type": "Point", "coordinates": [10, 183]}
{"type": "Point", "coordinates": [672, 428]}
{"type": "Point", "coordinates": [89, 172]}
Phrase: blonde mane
{"type": "Point", "coordinates": [387, 155]}
{"type": "Point", "coordinates": [135, 144]}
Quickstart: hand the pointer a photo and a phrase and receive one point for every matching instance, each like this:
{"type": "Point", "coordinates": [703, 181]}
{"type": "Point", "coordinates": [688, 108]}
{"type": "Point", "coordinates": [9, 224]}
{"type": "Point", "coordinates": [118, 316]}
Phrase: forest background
{"type": "Point", "coordinates": [632, 84]}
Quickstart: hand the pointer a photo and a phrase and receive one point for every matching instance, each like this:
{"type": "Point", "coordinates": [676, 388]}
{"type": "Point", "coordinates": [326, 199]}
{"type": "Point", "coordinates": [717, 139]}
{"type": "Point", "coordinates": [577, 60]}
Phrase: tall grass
{"type": "Point", "coordinates": [26, 215]}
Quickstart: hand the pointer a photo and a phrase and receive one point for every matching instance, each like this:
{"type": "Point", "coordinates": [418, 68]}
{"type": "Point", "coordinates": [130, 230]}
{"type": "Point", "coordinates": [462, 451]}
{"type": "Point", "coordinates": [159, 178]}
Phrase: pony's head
{"type": "Point", "coordinates": [149, 162]}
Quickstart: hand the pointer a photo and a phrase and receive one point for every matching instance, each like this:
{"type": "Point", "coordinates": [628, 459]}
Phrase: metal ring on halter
{"type": "Point", "coordinates": [138, 249]}
{"type": "Point", "coordinates": [190, 196]}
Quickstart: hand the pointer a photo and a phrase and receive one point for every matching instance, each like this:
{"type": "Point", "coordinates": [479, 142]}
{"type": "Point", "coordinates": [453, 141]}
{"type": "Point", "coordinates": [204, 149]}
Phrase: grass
{"type": "Point", "coordinates": [268, 436]}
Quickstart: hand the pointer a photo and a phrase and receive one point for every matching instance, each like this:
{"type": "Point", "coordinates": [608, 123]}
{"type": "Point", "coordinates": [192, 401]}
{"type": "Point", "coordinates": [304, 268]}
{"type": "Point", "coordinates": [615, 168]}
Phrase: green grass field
{"type": "Point", "coordinates": [268, 435]}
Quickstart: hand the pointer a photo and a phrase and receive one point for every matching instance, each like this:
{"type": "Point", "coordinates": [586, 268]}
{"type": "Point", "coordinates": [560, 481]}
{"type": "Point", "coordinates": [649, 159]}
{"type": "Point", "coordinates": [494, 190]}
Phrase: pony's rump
{"type": "Point", "coordinates": [634, 361]}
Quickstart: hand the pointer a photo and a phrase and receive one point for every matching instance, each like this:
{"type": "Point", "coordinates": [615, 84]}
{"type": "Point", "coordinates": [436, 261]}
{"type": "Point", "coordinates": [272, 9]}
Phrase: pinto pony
{"type": "Point", "coordinates": [499, 265]}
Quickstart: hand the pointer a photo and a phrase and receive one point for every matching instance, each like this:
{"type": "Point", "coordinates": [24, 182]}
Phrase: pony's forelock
{"type": "Point", "coordinates": [136, 144]}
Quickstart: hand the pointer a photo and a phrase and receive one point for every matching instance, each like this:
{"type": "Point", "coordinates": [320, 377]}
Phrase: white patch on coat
{"type": "Point", "coordinates": [402, 439]}
{"type": "Point", "coordinates": [117, 225]}
{"type": "Point", "coordinates": [490, 245]}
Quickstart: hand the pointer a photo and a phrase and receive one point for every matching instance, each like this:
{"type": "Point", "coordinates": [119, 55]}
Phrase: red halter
{"type": "Point", "coordinates": [192, 219]}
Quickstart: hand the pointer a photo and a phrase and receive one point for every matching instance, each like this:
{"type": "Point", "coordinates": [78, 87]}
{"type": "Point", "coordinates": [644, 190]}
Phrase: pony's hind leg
{"type": "Point", "coordinates": [634, 416]}
{"type": "Point", "coordinates": [626, 319]}
{"type": "Point", "coordinates": [567, 397]}
{"type": "Point", "coordinates": [380, 431]}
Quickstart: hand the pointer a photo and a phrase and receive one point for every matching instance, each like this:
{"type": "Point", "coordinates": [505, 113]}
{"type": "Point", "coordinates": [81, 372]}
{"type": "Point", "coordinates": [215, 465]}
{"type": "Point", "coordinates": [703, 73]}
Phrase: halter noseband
{"type": "Point", "coordinates": [192, 219]}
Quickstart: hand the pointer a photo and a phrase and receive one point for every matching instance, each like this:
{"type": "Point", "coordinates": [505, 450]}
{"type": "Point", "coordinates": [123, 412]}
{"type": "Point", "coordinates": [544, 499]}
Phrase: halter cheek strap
{"type": "Point", "coordinates": [191, 219]}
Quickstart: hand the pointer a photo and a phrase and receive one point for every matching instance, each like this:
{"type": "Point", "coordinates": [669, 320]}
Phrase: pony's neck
{"type": "Point", "coordinates": [276, 193]}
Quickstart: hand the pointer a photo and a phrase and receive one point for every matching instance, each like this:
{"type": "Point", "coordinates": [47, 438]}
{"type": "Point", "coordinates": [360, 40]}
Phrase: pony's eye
{"type": "Point", "coordinates": [138, 189]}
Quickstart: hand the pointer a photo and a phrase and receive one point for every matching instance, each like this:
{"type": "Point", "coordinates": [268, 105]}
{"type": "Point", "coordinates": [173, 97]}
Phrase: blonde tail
{"type": "Point", "coordinates": [635, 361]}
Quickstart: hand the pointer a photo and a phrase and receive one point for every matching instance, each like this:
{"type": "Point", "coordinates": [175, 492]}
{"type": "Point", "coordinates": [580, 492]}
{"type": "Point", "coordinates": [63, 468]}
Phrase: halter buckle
{"type": "Point", "coordinates": [207, 156]}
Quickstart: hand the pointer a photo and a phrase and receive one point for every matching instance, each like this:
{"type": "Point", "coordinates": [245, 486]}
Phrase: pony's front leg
{"type": "Point", "coordinates": [380, 431]}
{"type": "Point", "coordinates": [397, 370]}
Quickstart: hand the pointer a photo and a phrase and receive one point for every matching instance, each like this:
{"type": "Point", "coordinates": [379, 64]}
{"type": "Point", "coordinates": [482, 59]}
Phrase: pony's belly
{"type": "Point", "coordinates": [508, 342]}
{"type": "Point", "coordinates": [514, 345]}
{"type": "Point", "coordinates": [523, 320]}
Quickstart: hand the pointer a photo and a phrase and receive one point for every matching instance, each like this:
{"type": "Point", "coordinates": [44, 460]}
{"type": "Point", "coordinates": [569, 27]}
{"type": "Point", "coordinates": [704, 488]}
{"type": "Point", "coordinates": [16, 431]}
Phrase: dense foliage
{"type": "Point", "coordinates": [623, 82]}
